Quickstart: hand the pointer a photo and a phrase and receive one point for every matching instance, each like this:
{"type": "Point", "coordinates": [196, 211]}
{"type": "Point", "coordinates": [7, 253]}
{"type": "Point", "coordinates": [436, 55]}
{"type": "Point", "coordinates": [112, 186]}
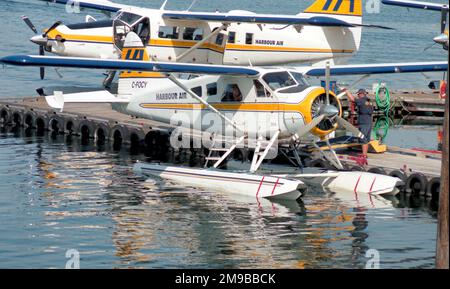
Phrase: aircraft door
{"type": "Point", "coordinates": [127, 22]}
{"type": "Point", "coordinates": [120, 29]}
{"type": "Point", "coordinates": [142, 29]}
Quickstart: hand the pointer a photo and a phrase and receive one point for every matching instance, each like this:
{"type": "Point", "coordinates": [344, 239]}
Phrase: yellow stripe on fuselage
{"type": "Point", "coordinates": [173, 43]}
{"type": "Point", "coordinates": [84, 38]}
{"type": "Point", "coordinates": [303, 107]}
{"type": "Point", "coordinates": [280, 48]}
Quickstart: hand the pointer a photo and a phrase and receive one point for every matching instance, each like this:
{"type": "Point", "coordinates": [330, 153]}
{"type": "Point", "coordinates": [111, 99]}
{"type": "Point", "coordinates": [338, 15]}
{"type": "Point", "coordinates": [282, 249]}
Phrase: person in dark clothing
{"type": "Point", "coordinates": [365, 111]}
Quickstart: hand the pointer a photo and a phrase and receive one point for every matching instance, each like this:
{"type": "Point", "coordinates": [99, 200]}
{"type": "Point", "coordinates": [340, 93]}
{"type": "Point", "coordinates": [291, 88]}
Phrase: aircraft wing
{"type": "Point", "coordinates": [128, 65]}
{"type": "Point", "coordinates": [102, 5]}
{"type": "Point", "coordinates": [416, 4]}
{"type": "Point", "coordinates": [231, 17]}
{"type": "Point", "coordinates": [379, 68]}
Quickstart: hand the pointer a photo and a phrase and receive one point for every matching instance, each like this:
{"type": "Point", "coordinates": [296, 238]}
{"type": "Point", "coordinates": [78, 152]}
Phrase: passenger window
{"type": "Point", "coordinates": [197, 90]}
{"type": "Point", "coordinates": [232, 37]}
{"type": "Point", "coordinates": [261, 91]}
{"type": "Point", "coordinates": [232, 93]}
{"type": "Point", "coordinates": [193, 34]}
{"type": "Point", "coordinates": [169, 32]}
{"type": "Point", "coordinates": [249, 38]}
{"type": "Point", "coordinates": [211, 89]}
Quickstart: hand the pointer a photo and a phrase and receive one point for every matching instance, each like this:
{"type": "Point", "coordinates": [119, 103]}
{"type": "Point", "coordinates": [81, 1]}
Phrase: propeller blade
{"type": "Point", "coordinates": [29, 23]}
{"type": "Point", "coordinates": [348, 126]}
{"type": "Point", "coordinates": [426, 48]}
{"type": "Point", "coordinates": [327, 82]}
{"type": "Point", "coordinates": [307, 128]}
{"type": "Point", "coordinates": [53, 27]}
{"type": "Point", "coordinates": [42, 72]}
{"type": "Point", "coordinates": [42, 69]}
{"type": "Point", "coordinates": [444, 12]}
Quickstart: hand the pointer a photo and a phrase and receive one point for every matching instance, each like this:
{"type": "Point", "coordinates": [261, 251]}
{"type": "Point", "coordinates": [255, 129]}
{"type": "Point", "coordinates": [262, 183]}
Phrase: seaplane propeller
{"type": "Point", "coordinates": [40, 39]}
{"type": "Point", "coordinates": [443, 37]}
{"type": "Point", "coordinates": [328, 112]}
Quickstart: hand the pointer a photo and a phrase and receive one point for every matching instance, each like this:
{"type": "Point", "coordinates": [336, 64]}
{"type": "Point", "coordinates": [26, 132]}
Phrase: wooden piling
{"type": "Point", "coordinates": [442, 230]}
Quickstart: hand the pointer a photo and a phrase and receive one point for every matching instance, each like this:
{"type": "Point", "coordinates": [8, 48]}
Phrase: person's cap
{"type": "Point", "coordinates": [363, 91]}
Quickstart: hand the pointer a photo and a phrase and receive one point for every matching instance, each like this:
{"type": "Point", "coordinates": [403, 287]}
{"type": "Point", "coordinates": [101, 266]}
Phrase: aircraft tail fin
{"type": "Point", "coordinates": [336, 7]}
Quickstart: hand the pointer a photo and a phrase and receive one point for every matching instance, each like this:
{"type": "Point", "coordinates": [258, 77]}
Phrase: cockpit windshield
{"type": "Point", "coordinates": [286, 82]}
{"type": "Point", "coordinates": [128, 18]}
{"type": "Point", "coordinates": [277, 80]}
{"type": "Point", "coordinates": [299, 78]}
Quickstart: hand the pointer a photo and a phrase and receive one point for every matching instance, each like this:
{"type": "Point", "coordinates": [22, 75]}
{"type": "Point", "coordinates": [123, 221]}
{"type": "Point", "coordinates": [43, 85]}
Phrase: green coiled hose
{"type": "Point", "coordinates": [385, 103]}
{"type": "Point", "coordinates": [381, 127]}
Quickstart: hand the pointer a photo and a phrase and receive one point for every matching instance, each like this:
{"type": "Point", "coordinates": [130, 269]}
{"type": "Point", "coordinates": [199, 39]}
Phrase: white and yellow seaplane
{"type": "Point", "coordinates": [262, 107]}
{"type": "Point", "coordinates": [327, 30]}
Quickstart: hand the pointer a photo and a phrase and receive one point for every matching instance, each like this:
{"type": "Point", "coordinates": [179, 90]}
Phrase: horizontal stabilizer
{"type": "Point", "coordinates": [58, 99]}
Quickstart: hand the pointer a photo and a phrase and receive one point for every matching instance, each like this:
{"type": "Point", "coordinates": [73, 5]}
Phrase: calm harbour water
{"type": "Point", "coordinates": [57, 194]}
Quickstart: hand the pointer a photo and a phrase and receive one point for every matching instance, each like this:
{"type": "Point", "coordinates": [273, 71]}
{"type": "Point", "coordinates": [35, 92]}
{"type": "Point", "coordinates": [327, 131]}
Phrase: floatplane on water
{"type": "Point", "coordinates": [263, 107]}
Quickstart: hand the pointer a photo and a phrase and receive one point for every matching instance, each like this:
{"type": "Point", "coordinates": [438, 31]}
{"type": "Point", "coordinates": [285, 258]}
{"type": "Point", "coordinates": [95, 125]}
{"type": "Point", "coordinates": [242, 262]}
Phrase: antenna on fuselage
{"type": "Point", "coordinates": [163, 6]}
{"type": "Point", "coordinates": [192, 4]}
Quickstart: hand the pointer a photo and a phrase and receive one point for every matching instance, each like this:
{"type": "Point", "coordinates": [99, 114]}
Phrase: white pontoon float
{"type": "Point", "coordinates": [333, 181]}
{"type": "Point", "coordinates": [259, 186]}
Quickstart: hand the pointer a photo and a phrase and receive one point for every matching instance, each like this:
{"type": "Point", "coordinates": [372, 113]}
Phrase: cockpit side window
{"type": "Point", "coordinates": [277, 80]}
{"type": "Point", "coordinates": [232, 93]}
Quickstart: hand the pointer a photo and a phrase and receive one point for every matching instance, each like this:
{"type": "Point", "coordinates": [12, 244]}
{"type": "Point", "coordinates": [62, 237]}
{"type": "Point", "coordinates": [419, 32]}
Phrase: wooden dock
{"type": "Point", "coordinates": [416, 104]}
{"type": "Point", "coordinates": [95, 121]}
{"type": "Point", "coordinates": [100, 122]}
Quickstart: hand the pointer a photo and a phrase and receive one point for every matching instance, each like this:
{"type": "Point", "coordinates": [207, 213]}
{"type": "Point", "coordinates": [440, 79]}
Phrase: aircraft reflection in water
{"type": "Point", "coordinates": [163, 225]}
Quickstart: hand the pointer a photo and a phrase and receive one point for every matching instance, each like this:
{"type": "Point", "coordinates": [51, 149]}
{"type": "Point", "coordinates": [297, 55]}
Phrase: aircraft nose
{"type": "Point", "coordinates": [329, 110]}
{"type": "Point", "coordinates": [441, 39]}
{"type": "Point", "coordinates": [39, 40]}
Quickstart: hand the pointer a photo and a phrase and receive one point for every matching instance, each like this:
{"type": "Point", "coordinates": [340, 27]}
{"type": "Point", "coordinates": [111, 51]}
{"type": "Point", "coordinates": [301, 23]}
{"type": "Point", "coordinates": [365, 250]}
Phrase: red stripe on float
{"type": "Point", "coordinates": [356, 187]}
{"type": "Point", "coordinates": [371, 187]}
{"type": "Point", "coordinates": [259, 188]}
{"type": "Point", "coordinates": [274, 187]}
